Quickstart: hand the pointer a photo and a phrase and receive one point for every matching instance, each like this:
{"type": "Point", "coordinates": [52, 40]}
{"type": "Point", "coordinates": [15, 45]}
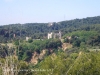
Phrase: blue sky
{"type": "Point", "coordinates": [32, 11]}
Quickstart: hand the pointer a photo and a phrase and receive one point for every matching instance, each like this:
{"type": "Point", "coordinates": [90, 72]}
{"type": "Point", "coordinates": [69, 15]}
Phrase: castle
{"type": "Point", "coordinates": [54, 35]}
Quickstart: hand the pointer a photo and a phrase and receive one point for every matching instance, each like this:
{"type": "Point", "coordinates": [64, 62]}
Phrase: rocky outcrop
{"type": "Point", "coordinates": [37, 56]}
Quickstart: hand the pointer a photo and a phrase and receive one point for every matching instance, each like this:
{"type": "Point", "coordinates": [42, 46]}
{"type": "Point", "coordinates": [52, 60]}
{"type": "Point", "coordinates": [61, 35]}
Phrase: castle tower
{"type": "Point", "coordinates": [50, 35]}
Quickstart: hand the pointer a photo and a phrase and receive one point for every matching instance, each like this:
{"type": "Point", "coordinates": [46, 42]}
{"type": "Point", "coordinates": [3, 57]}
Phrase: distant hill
{"type": "Point", "coordinates": [40, 30]}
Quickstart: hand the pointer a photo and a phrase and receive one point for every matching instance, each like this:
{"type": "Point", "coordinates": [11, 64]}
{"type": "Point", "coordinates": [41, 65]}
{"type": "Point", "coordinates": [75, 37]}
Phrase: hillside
{"type": "Point", "coordinates": [76, 53]}
{"type": "Point", "coordinates": [40, 30]}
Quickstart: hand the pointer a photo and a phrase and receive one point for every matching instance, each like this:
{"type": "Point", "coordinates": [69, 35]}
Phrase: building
{"type": "Point", "coordinates": [50, 35]}
{"type": "Point", "coordinates": [54, 35]}
{"type": "Point", "coordinates": [27, 38]}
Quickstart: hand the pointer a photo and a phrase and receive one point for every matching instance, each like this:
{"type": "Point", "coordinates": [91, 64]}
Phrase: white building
{"type": "Point", "coordinates": [54, 35]}
{"type": "Point", "coordinates": [27, 38]}
{"type": "Point", "coordinates": [50, 35]}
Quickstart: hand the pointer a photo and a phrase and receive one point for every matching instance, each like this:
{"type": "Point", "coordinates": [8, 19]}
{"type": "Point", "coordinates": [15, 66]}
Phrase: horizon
{"type": "Point", "coordinates": [23, 11]}
{"type": "Point", "coordinates": [51, 22]}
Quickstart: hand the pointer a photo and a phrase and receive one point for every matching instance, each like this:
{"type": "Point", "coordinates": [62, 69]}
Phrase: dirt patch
{"type": "Point", "coordinates": [66, 46]}
{"type": "Point", "coordinates": [42, 54]}
{"type": "Point", "coordinates": [37, 56]}
{"type": "Point", "coordinates": [34, 59]}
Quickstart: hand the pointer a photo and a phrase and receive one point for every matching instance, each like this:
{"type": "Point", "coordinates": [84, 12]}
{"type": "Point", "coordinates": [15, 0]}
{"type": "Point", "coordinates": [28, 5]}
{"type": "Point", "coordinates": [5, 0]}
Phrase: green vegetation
{"type": "Point", "coordinates": [27, 48]}
{"type": "Point", "coordinates": [83, 64]}
{"type": "Point", "coordinates": [40, 30]}
{"type": "Point", "coordinates": [52, 56]}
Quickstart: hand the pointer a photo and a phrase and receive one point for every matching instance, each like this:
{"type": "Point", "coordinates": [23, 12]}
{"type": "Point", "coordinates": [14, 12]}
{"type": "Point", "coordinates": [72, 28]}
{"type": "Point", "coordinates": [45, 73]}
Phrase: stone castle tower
{"type": "Point", "coordinates": [54, 35]}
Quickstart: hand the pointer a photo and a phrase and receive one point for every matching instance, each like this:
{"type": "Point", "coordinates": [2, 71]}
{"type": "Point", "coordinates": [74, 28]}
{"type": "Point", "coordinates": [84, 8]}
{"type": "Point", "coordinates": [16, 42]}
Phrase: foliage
{"type": "Point", "coordinates": [30, 40]}
{"type": "Point", "coordinates": [77, 60]}
{"type": "Point", "coordinates": [85, 38]}
{"type": "Point", "coordinates": [55, 65]}
{"type": "Point", "coordinates": [75, 64]}
{"type": "Point", "coordinates": [87, 64]}
{"type": "Point", "coordinates": [40, 30]}
{"type": "Point", "coordinates": [26, 49]}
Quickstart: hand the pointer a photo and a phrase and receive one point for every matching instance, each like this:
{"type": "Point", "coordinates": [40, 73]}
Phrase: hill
{"type": "Point", "coordinates": [40, 30]}
{"type": "Point", "coordinates": [77, 53]}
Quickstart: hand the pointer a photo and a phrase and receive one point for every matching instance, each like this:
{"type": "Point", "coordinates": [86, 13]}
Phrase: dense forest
{"type": "Point", "coordinates": [40, 30]}
{"type": "Point", "coordinates": [76, 53]}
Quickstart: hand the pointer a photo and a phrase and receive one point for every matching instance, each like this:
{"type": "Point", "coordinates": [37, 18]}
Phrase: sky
{"type": "Point", "coordinates": [44, 11]}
